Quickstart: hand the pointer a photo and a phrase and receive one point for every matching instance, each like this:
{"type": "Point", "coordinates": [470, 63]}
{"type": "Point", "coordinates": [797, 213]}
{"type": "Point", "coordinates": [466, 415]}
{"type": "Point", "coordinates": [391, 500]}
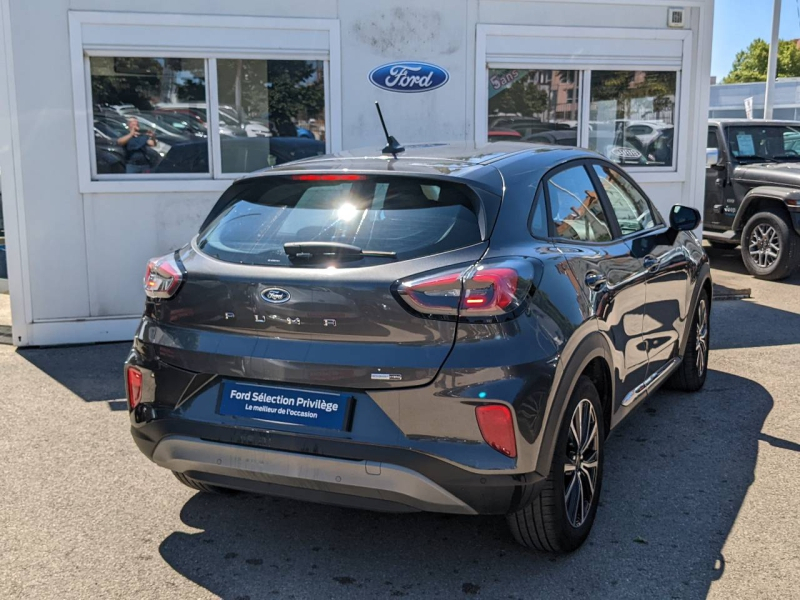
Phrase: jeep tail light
{"type": "Point", "coordinates": [497, 428]}
{"type": "Point", "coordinates": [134, 381]}
{"type": "Point", "coordinates": [163, 277]}
{"type": "Point", "coordinates": [491, 288]}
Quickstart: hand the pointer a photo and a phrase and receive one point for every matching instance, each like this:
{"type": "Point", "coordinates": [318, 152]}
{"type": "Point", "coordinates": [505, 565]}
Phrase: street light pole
{"type": "Point", "coordinates": [772, 64]}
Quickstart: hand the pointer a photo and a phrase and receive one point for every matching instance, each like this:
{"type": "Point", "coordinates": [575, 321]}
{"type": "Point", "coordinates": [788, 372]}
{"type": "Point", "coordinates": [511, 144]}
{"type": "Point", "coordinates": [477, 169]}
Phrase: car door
{"type": "Point", "coordinates": [714, 207]}
{"type": "Point", "coordinates": [666, 263]}
{"type": "Point", "coordinates": [612, 278]}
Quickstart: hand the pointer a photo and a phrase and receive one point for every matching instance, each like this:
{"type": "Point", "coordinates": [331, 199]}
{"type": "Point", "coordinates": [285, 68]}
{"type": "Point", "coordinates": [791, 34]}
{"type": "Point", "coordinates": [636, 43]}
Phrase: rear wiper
{"type": "Point", "coordinates": [756, 157]}
{"type": "Point", "coordinates": [330, 250]}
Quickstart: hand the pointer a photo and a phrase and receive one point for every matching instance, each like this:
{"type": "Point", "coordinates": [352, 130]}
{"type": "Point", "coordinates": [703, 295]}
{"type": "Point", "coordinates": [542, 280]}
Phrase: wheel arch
{"type": "Point", "coordinates": [704, 283]}
{"type": "Point", "coordinates": [762, 198]}
{"type": "Point", "coordinates": [592, 357]}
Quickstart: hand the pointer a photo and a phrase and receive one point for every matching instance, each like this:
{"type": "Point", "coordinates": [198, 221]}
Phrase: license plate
{"type": "Point", "coordinates": [283, 405]}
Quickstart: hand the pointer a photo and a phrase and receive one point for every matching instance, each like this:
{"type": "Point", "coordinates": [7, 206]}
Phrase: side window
{"type": "Point", "coordinates": [539, 219]}
{"type": "Point", "coordinates": [575, 207]}
{"type": "Point", "coordinates": [629, 205]}
{"type": "Point", "coordinates": [712, 142]}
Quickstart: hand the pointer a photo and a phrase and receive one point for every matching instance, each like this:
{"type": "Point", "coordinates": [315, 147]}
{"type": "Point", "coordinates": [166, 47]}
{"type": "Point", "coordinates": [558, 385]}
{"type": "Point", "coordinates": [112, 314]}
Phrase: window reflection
{"type": "Point", "coordinates": [540, 106]}
{"type": "Point", "coordinates": [632, 116]}
{"type": "Point", "coordinates": [278, 105]}
{"type": "Point", "coordinates": [135, 127]}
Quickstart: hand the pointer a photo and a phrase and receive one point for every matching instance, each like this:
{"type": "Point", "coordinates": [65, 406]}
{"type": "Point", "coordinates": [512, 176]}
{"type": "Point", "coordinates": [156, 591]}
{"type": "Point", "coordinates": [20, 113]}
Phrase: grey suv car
{"type": "Point", "coordinates": [454, 330]}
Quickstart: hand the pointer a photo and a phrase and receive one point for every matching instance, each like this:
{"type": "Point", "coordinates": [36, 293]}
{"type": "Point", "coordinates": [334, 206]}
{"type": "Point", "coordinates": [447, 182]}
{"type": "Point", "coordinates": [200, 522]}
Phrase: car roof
{"type": "Point", "coordinates": [462, 160]}
{"type": "Point", "coordinates": [755, 122]}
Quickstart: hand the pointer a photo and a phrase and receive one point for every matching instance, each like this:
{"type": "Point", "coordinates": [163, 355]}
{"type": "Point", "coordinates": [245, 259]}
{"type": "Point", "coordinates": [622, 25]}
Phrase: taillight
{"type": "Point", "coordinates": [492, 288]}
{"type": "Point", "coordinates": [134, 380]}
{"type": "Point", "coordinates": [497, 428]}
{"type": "Point", "coordinates": [163, 277]}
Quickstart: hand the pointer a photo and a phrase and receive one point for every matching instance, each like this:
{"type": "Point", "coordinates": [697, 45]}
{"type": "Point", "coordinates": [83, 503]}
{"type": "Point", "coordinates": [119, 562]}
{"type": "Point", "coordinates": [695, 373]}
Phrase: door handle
{"type": "Point", "coordinates": [595, 280]}
{"type": "Point", "coordinates": [651, 263]}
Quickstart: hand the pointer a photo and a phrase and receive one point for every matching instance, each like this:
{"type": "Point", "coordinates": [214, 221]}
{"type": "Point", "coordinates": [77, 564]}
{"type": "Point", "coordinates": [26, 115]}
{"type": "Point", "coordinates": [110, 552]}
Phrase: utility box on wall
{"type": "Point", "coordinates": [238, 88]}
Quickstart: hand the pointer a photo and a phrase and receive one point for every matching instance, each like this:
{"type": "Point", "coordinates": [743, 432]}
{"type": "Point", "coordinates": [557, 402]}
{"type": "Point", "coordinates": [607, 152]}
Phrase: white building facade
{"type": "Point", "coordinates": [220, 89]}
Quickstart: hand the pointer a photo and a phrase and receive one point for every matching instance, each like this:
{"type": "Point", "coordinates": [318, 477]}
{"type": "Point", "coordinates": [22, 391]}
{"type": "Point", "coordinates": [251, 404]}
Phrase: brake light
{"type": "Point", "coordinates": [163, 277]}
{"type": "Point", "coordinates": [342, 177]}
{"type": "Point", "coordinates": [134, 380]}
{"type": "Point", "coordinates": [497, 428]}
{"type": "Point", "coordinates": [489, 289]}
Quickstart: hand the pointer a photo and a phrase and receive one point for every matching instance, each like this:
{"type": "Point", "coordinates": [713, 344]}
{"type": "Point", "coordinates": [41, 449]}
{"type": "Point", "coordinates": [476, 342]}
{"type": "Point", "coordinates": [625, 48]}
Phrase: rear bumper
{"type": "Point", "coordinates": [362, 483]}
{"type": "Point", "coordinates": [330, 471]}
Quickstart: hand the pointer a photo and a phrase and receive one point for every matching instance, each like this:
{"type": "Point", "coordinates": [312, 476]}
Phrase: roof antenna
{"type": "Point", "coordinates": [392, 147]}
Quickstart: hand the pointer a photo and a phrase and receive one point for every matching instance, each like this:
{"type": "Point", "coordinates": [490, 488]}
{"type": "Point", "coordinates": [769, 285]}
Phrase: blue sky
{"type": "Point", "coordinates": [739, 22]}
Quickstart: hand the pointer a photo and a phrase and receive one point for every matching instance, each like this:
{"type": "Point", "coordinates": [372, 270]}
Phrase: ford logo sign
{"type": "Point", "coordinates": [409, 77]}
{"type": "Point", "coordinates": [275, 295]}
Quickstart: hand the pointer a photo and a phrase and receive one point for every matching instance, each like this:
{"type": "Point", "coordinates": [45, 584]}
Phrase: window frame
{"type": "Point", "coordinates": [108, 34]}
{"type": "Point", "coordinates": [587, 49]}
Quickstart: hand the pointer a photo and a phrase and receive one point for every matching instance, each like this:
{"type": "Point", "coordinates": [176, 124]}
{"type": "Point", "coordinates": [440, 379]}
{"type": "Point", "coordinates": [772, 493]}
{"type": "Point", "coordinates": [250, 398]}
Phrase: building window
{"type": "Point", "coordinates": [144, 107]}
{"type": "Point", "coordinates": [270, 112]}
{"type": "Point", "coordinates": [632, 116]}
{"type": "Point", "coordinates": [151, 117]}
{"type": "Point", "coordinates": [534, 106]}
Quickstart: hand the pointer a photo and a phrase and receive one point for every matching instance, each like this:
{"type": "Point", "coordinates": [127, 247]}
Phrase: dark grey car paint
{"type": "Point", "coordinates": [426, 420]}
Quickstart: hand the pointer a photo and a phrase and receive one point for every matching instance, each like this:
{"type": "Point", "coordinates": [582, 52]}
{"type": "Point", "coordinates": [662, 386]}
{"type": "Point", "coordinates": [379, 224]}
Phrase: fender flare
{"type": "Point", "coordinates": [703, 276]}
{"type": "Point", "coordinates": [772, 192]}
{"type": "Point", "coordinates": [592, 346]}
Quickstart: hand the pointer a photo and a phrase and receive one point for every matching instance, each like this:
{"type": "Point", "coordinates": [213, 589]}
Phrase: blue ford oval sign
{"type": "Point", "coordinates": [275, 295]}
{"type": "Point", "coordinates": [409, 77]}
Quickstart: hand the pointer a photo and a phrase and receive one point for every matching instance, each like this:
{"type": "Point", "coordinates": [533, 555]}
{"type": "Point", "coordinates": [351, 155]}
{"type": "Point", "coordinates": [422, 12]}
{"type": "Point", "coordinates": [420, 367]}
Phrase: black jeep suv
{"type": "Point", "coordinates": [753, 193]}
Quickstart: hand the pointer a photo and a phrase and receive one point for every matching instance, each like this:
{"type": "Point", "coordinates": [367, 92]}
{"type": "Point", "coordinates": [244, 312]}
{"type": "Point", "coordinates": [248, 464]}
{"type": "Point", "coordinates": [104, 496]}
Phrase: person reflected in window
{"type": "Point", "coordinates": [136, 147]}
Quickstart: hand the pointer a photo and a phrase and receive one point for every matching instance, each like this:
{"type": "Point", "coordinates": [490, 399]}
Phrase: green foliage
{"type": "Point", "coordinates": [625, 86]}
{"type": "Point", "coordinates": [751, 64]}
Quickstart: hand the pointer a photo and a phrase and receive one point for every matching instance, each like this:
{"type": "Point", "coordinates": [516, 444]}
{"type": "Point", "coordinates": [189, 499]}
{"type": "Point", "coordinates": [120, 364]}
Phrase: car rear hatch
{"type": "Point", "coordinates": [294, 279]}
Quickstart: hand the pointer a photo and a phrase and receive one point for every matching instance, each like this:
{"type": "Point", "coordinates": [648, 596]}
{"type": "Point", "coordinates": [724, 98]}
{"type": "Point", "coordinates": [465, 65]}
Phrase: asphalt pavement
{"type": "Point", "coordinates": [700, 497]}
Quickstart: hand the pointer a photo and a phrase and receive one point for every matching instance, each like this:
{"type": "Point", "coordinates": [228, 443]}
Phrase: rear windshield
{"type": "Point", "coordinates": [410, 217]}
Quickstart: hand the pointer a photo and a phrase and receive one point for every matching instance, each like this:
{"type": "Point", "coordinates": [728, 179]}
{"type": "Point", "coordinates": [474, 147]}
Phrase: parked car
{"type": "Point", "coordinates": [240, 155]}
{"type": "Point", "coordinates": [752, 195]}
{"type": "Point", "coordinates": [455, 330]}
{"type": "Point", "coordinates": [504, 135]}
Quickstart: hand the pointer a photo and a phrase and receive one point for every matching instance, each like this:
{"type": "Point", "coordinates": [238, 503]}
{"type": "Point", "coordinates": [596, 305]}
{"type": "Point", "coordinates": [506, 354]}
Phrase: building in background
{"type": "Point", "coordinates": [727, 101]}
{"type": "Point", "coordinates": [121, 124]}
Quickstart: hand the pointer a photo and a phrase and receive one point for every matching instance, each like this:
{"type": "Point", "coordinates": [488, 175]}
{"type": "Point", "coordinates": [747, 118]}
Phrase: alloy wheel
{"type": "Point", "coordinates": [764, 245]}
{"type": "Point", "coordinates": [701, 335]}
{"type": "Point", "coordinates": [580, 468]}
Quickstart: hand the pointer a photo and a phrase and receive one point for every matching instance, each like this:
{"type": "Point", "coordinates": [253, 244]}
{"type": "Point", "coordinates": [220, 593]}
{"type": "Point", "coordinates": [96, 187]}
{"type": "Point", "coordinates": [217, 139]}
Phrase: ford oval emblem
{"type": "Point", "coordinates": [409, 77]}
{"type": "Point", "coordinates": [275, 295]}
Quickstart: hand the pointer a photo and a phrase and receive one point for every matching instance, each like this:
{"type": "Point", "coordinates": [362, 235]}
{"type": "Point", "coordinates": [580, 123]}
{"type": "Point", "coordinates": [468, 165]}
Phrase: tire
{"type": "Point", "coordinates": [776, 244]}
{"type": "Point", "coordinates": [722, 245]}
{"type": "Point", "coordinates": [691, 374]}
{"type": "Point", "coordinates": [202, 487]}
{"type": "Point", "coordinates": [546, 524]}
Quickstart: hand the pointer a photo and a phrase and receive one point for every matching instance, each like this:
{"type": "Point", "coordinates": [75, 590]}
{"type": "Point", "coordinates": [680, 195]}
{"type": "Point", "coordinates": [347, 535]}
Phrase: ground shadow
{"type": "Point", "coordinates": [676, 475]}
{"type": "Point", "coordinates": [730, 260]}
{"type": "Point", "coordinates": [748, 324]}
{"type": "Point", "coordinates": [93, 373]}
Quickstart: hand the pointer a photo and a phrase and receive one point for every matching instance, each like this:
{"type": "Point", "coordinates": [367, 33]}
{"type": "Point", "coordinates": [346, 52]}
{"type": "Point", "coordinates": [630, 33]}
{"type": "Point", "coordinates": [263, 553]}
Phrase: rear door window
{"type": "Point", "coordinates": [575, 207]}
{"type": "Point", "coordinates": [408, 216]}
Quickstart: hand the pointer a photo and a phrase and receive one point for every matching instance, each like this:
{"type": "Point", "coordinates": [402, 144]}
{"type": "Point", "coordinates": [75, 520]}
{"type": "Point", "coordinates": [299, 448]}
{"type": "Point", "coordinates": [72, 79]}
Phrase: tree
{"type": "Point", "coordinates": [751, 64]}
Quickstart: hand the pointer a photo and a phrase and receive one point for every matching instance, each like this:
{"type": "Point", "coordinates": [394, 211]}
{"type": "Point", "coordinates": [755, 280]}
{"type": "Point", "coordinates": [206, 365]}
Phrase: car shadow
{"type": "Point", "coordinates": [676, 475]}
{"type": "Point", "coordinates": [730, 260]}
{"type": "Point", "coordinates": [91, 372]}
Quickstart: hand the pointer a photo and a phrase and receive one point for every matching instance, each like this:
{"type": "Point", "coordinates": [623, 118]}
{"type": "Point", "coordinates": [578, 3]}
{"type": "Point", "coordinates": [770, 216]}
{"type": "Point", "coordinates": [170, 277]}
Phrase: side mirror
{"type": "Point", "coordinates": [712, 159]}
{"type": "Point", "coordinates": [684, 218]}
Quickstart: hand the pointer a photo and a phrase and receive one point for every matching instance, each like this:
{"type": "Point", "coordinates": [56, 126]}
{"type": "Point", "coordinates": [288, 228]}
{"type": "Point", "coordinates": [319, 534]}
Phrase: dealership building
{"type": "Point", "coordinates": [121, 123]}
